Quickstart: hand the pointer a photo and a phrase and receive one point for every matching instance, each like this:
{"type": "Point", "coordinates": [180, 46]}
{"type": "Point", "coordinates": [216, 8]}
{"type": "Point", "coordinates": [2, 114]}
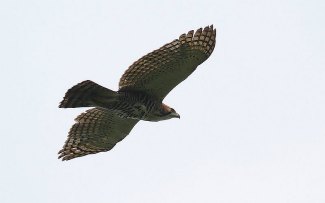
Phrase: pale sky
{"type": "Point", "coordinates": [252, 125]}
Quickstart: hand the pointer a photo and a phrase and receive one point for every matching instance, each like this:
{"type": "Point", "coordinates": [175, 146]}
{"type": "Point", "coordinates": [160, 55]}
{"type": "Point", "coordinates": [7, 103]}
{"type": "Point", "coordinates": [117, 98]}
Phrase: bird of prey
{"type": "Point", "coordinates": [142, 88]}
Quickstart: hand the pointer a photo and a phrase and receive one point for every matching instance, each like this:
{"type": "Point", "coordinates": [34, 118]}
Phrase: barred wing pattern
{"type": "Point", "coordinates": [97, 130]}
{"type": "Point", "coordinates": [158, 72]}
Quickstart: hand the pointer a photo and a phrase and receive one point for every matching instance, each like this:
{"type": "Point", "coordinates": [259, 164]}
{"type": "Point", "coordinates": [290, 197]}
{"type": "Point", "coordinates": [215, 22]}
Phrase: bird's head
{"type": "Point", "coordinates": [167, 112]}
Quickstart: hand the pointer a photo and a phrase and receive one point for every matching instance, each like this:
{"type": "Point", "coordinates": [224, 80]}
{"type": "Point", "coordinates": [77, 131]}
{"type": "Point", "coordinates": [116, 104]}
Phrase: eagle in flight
{"type": "Point", "coordinates": [142, 88]}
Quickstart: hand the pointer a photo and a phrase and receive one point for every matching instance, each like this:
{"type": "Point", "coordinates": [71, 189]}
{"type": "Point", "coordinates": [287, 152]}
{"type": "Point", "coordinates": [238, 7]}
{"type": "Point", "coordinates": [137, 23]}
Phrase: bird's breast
{"type": "Point", "coordinates": [136, 106]}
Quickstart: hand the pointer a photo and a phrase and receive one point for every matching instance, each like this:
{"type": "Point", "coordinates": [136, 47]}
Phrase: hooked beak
{"type": "Point", "coordinates": [175, 115]}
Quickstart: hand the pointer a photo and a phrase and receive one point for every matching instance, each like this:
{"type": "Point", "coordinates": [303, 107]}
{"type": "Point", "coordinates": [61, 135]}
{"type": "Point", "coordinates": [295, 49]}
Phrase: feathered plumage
{"type": "Point", "coordinates": [142, 88]}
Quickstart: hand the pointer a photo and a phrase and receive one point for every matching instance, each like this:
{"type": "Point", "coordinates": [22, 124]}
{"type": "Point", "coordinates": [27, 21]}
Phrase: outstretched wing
{"type": "Point", "coordinates": [96, 130]}
{"type": "Point", "coordinates": [158, 72]}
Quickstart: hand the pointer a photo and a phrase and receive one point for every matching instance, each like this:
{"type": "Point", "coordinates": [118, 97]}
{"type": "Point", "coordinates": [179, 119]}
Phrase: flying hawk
{"type": "Point", "coordinates": [142, 88]}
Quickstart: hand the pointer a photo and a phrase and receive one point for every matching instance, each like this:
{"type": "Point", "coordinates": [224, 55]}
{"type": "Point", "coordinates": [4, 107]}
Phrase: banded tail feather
{"type": "Point", "coordinates": [88, 94]}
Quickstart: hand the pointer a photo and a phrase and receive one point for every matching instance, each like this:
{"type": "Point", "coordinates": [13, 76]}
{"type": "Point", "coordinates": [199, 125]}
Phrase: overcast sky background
{"type": "Point", "coordinates": [252, 125]}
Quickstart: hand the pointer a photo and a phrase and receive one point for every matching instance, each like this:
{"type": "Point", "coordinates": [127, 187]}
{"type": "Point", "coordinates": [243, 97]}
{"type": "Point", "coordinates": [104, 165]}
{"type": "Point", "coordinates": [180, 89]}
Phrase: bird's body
{"type": "Point", "coordinates": [138, 105]}
{"type": "Point", "coordinates": [142, 89]}
{"type": "Point", "coordinates": [125, 104]}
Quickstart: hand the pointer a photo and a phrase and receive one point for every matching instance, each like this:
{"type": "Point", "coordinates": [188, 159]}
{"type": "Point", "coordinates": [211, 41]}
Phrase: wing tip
{"type": "Point", "coordinates": [66, 155]}
{"type": "Point", "coordinates": [194, 34]}
{"type": "Point", "coordinates": [202, 39]}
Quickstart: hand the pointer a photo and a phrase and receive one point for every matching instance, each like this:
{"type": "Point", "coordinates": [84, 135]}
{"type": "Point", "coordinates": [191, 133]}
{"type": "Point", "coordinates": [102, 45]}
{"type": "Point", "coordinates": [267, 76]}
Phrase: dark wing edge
{"type": "Point", "coordinates": [96, 130]}
{"type": "Point", "coordinates": [158, 72]}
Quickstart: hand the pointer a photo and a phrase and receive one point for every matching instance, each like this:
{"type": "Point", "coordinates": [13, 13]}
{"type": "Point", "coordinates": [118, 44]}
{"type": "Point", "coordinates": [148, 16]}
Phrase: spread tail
{"type": "Point", "coordinates": [88, 94]}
